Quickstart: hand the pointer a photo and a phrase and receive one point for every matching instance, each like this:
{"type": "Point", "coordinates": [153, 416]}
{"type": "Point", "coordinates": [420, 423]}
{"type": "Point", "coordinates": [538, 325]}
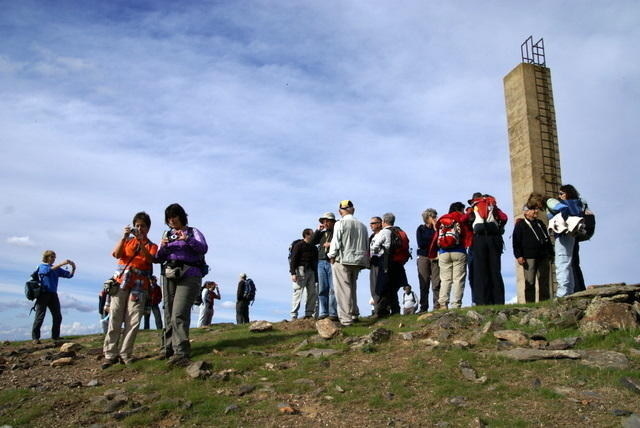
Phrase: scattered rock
{"type": "Point", "coordinates": [620, 412]}
{"type": "Point", "coordinates": [502, 317]}
{"type": "Point", "coordinates": [475, 316]}
{"type": "Point", "coordinates": [70, 347]}
{"type": "Point", "coordinates": [303, 381]}
{"type": "Point", "coordinates": [260, 326]}
{"type": "Point", "coordinates": [602, 317]}
{"type": "Point", "coordinates": [457, 401]}
{"type": "Point", "coordinates": [470, 373]}
{"type": "Point", "coordinates": [93, 382]}
{"type": "Point", "coordinates": [516, 337]}
{"type": "Point", "coordinates": [631, 383]}
{"type": "Point", "coordinates": [525, 354]}
{"type": "Point", "coordinates": [568, 319]}
{"type": "Point", "coordinates": [67, 354]}
{"type": "Point", "coordinates": [231, 408]}
{"type": "Point", "coordinates": [287, 409]}
{"type": "Point", "coordinates": [301, 345]}
{"type": "Point", "coordinates": [198, 370]}
{"type": "Point", "coordinates": [126, 413]}
{"type": "Point", "coordinates": [478, 423]}
{"type": "Point", "coordinates": [461, 344]}
{"type": "Point", "coordinates": [62, 362]}
{"type": "Point", "coordinates": [430, 342]}
{"type": "Point", "coordinates": [110, 394]}
{"type": "Point", "coordinates": [339, 389]}
{"type": "Point", "coordinates": [603, 359]}
{"type": "Point", "coordinates": [632, 421]}
{"type": "Point", "coordinates": [488, 326]}
{"type": "Point", "coordinates": [406, 335]}
{"type": "Point", "coordinates": [317, 352]}
{"type": "Point", "coordinates": [378, 335]}
{"type": "Point", "coordinates": [563, 343]}
{"type": "Point", "coordinates": [606, 290]}
{"type": "Point", "coordinates": [536, 383]}
{"type": "Point", "coordinates": [245, 389]}
{"type": "Point", "coordinates": [327, 329]}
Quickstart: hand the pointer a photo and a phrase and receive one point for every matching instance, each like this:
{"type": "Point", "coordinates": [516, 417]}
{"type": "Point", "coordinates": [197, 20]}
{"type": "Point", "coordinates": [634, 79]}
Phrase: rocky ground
{"type": "Point", "coordinates": [350, 366]}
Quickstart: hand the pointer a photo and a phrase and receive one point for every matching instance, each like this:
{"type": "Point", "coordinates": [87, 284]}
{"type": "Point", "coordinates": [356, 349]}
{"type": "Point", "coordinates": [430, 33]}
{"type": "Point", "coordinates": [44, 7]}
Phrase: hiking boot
{"type": "Point", "coordinates": [333, 317]}
{"type": "Point", "coordinates": [179, 361]}
{"type": "Point", "coordinates": [108, 363]}
{"type": "Point", "coordinates": [36, 341]}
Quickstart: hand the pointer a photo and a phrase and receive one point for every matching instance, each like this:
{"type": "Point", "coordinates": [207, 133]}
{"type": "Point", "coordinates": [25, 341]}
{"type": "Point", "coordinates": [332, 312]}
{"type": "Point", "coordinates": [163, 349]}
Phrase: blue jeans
{"type": "Point", "coordinates": [326, 295]}
{"type": "Point", "coordinates": [564, 272]}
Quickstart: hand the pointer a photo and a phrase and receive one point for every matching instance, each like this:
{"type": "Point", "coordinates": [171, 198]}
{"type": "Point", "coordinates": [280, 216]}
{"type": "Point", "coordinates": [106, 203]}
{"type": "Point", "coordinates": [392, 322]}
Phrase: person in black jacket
{"type": "Point", "coordinates": [533, 250]}
{"type": "Point", "coordinates": [303, 267]}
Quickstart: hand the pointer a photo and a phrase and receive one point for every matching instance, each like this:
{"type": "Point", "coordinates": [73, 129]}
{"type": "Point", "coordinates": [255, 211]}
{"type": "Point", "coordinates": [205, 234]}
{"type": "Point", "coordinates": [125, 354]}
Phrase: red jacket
{"type": "Point", "coordinates": [466, 235]}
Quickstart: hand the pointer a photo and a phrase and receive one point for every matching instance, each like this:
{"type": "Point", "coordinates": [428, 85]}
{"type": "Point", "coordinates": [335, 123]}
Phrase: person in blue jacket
{"type": "Point", "coordinates": [49, 274]}
{"type": "Point", "coordinates": [568, 205]}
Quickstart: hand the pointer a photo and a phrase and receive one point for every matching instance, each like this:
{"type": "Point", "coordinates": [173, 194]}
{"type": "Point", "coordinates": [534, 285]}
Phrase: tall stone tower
{"type": "Point", "coordinates": [533, 137]}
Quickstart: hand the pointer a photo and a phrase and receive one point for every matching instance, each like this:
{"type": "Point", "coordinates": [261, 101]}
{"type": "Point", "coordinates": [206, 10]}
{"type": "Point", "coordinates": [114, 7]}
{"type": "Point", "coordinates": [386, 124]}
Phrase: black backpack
{"type": "Point", "coordinates": [249, 293]}
{"type": "Point", "coordinates": [33, 287]}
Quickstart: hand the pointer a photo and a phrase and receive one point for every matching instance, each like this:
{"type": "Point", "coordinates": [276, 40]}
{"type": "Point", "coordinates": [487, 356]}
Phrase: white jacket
{"type": "Point", "coordinates": [350, 242]}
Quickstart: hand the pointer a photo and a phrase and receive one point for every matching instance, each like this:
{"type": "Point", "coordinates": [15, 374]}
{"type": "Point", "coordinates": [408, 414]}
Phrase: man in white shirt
{"type": "Point", "coordinates": [348, 254]}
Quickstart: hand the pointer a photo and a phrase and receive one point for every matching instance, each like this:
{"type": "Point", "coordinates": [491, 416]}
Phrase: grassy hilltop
{"type": "Point", "coordinates": [441, 369]}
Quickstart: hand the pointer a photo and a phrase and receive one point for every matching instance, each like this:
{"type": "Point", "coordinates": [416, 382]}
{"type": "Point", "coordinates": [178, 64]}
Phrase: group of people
{"type": "Point", "coordinates": [465, 243]}
{"type": "Point", "coordinates": [181, 255]}
{"type": "Point", "coordinates": [325, 265]}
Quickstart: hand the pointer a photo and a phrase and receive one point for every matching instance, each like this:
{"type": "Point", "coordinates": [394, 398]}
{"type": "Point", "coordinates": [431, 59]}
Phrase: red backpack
{"type": "Point", "coordinates": [487, 215]}
{"type": "Point", "coordinates": [399, 249]}
{"type": "Point", "coordinates": [155, 295]}
{"type": "Point", "coordinates": [449, 233]}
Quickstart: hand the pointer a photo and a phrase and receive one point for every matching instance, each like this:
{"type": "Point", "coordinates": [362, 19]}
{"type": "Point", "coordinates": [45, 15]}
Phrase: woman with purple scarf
{"type": "Point", "coordinates": [181, 253]}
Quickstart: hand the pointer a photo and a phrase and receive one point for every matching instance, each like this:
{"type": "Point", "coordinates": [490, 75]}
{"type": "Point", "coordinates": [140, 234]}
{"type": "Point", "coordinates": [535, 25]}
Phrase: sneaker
{"type": "Point", "coordinates": [179, 361]}
{"type": "Point", "coordinates": [108, 363]}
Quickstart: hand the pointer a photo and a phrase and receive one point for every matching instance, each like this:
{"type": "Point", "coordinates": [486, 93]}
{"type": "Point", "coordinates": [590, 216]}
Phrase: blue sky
{"type": "Point", "coordinates": [259, 116]}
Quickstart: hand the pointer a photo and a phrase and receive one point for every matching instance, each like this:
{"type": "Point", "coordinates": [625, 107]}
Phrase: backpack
{"type": "Point", "coordinates": [485, 217]}
{"type": "Point", "coordinates": [399, 249]}
{"type": "Point", "coordinates": [589, 225]}
{"type": "Point", "coordinates": [198, 300]}
{"type": "Point", "coordinates": [249, 293]}
{"type": "Point", "coordinates": [33, 287]}
{"type": "Point", "coordinates": [155, 295]}
{"type": "Point", "coordinates": [449, 233]}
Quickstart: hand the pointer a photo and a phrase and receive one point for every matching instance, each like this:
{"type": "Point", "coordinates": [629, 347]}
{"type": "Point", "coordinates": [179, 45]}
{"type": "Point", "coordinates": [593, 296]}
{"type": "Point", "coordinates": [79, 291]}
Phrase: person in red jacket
{"type": "Point", "coordinates": [488, 223]}
{"type": "Point", "coordinates": [451, 240]}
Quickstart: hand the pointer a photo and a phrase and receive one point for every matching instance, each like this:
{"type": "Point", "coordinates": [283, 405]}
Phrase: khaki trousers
{"type": "Point", "coordinates": [123, 310]}
{"type": "Point", "coordinates": [345, 279]}
{"type": "Point", "coordinates": [453, 273]}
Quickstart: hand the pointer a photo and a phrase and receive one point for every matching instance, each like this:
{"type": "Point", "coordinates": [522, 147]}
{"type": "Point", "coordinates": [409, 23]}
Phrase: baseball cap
{"type": "Point", "coordinates": [346, 203]}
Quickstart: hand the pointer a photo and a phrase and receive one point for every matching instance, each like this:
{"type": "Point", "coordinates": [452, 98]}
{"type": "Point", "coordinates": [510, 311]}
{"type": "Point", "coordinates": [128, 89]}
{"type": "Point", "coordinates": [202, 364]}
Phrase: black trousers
{"type": "Point", "coordinates": [388, 284]}
{"type": "Point", "coordinates": [242, 312]}
{"type": "Point", "coordinates": [488, 287]}
{"type": "Point", "coordinates": [47, 301]}
{"type": "Point", "coordinates": [578, 278]}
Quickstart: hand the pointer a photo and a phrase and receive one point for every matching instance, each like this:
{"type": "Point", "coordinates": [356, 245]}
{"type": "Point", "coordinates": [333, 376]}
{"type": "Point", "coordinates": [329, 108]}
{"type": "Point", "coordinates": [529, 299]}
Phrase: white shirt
{"type": "Point", "coordinates": [381, 242]}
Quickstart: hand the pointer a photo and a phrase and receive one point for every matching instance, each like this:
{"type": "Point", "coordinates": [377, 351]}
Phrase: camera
{"type": "Point", "coordinates": [171, 235]}
{"type": "Point", "coordinates": [133, 231]}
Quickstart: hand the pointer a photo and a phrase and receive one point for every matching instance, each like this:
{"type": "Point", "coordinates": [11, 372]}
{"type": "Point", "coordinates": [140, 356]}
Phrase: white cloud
{"type": "Point", "coordinates": [258, 120]}
{"type": "Point", "coordinates": [21, 241]}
